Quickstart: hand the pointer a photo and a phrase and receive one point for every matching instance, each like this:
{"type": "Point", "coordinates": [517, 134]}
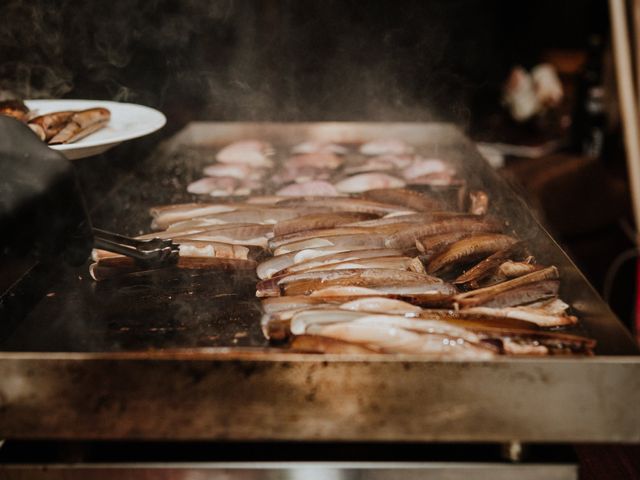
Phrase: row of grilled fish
{"type": "Point", "coordinates": [386, 270]}
{"type": "Point", "coordinates": [439, 283]}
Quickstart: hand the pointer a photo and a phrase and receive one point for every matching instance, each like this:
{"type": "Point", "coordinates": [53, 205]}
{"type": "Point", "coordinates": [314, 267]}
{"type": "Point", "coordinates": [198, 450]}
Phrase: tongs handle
{"type": "Point", "coordinates": [155, 252]}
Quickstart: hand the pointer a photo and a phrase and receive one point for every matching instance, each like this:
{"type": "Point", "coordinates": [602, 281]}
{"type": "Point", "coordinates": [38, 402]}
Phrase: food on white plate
{"type": "Point", "coordinates": [57, 128]}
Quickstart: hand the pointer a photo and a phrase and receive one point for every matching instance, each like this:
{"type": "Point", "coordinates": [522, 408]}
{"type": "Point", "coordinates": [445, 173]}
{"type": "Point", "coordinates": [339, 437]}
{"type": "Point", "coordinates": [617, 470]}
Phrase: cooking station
{"type": "Point", "coordinates": [178, 355]}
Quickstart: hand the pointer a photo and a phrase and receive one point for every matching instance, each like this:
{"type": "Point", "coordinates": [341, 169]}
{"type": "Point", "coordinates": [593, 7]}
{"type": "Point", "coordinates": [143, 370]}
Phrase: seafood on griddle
{"type": "Point", "coordinates": [332, 258]}
{"type": "Point", "coordinates": [510, 336]}
{"type": "Point", "coordinates": [166, 216]}
{"type": "Point", "coordinates": [309, 188]}
{"type": "Point", "coordinates": [400, 279]}
{"type": "Point", "coordinates": [254, 153]}
{"type": "Point", "coordinates": [321, 220]}
{"type": "Point", "coordinates": [301, 173]}
{"type": "Point", "coordinates": [234, 170]}
{"type": "Point", "coordinates": [418, 201]}
{"type": "Point", "coordinates": [277, 263]}
{"type": "Point", "coordinates": [346, 242]}
{"type": "Point", "coordinates": [372, 249]}
{"type": "Point", "coordinates": [249, 234]}
{"type": "Point", "coordinates": [484, 272]}
{"type": "Point", "coordinates": [319, 147]}
{"type": "Point", "coordinates": [468, 249]}
{"type": "Point", "coordinates": [344, 204]}
{"type": "Point", "coordinates": [373, 164]}
{"type": "Point", "coordinates": [256, 214]}
{"type": "Point", "coordinates": [386, 146]}
{"type": "Point", "coordinates": [283, 240]}
{"type": "Point", "coordinates": [473, 224]}
{"type": "Point", "coordinates": [214, 186]}
{"type": "Point", "coordinates": [193, 254]}
{"type": "Point", "coordinates": [421, 167]}
{"type": "Point", "coordinates": [532, 287]}
{"type": "Point", "coordinates": [368, 181]}
{"type": "Point", "coordinates": [327, 161]}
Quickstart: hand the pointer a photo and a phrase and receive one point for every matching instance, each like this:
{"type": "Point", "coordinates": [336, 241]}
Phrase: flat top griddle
{"type": "Point", "coordinates": [179, 354]}
{"type": "Point", "coordinates": [176, 308]}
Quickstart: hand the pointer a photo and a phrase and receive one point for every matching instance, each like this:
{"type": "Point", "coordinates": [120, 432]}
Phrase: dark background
{"type": "Point", "coordinates": [285, 60]}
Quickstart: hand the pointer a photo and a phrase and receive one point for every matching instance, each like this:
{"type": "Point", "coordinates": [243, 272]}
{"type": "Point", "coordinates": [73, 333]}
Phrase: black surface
{"type": "Point", "coordinates": [33, 452]}
{"type": "Point", "coordinates": [56, 307]}
{"type": "Point", "coordinates": [42, 212]}
{"type": "Point", "coordinates": [169, 308]}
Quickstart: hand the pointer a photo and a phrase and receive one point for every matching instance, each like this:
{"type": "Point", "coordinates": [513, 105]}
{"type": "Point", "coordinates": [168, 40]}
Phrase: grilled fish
{"type": "Point", "coordinates": [319, 221]}
{"type": "Point", "coordinates": [405, 197]}
{"type": "Point", "coordinates": [518, 291]}
{"type": "Point", "coordinates": [474, 224]}
{"type": "Point", "coordinates": [468, 249]}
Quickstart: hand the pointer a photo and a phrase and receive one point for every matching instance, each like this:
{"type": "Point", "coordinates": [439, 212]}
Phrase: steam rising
{"type": "Point", "coordinates": [97, 49]}
{"type": "Point", "coordinates": [250, 60]}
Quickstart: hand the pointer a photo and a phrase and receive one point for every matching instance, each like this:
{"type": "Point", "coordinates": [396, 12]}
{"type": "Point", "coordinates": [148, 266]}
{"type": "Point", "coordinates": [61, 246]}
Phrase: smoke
{"type": "Point", "coordinates": [252, 60]}
{"type": "Point", "coordinates": [30, 49]}
{"type": "Point", "coordinates": [120, 50]}
{"type": "Point", "coordinates": [335, 60]}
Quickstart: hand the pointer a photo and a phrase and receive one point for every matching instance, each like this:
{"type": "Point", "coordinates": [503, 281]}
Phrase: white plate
{"type": "Point", "coordinates": [128, 121]}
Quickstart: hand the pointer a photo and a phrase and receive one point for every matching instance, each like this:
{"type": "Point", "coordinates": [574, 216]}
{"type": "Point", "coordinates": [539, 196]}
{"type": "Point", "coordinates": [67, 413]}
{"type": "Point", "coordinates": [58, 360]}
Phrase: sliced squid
{"type": "Point", "coordinates": [368, 181]}
{"type": "Point", "coordinates": [254, 153]}
{"type": "Point", "coordinates": [386, 146]}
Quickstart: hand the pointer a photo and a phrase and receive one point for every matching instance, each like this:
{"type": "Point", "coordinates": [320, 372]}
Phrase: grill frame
{"type": "Point", "coordinates": [256, 393]}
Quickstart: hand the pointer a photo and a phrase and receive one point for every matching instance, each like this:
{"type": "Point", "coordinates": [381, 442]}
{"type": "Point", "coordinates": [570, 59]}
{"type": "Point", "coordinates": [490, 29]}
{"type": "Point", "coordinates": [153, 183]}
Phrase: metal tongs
{"type": "Point", "coordinates": [152, 253]}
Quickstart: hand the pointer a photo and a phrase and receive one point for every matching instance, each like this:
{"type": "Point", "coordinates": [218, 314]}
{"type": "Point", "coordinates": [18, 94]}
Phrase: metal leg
{"type": "Point", "coordinates": [513, 451]}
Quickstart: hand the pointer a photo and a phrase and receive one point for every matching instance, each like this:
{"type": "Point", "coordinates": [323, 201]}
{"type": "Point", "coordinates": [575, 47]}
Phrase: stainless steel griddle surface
{"type": "Point", "coordinates": [179, 354]}
{"type": "Point", "coordinates": [173, 308]}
